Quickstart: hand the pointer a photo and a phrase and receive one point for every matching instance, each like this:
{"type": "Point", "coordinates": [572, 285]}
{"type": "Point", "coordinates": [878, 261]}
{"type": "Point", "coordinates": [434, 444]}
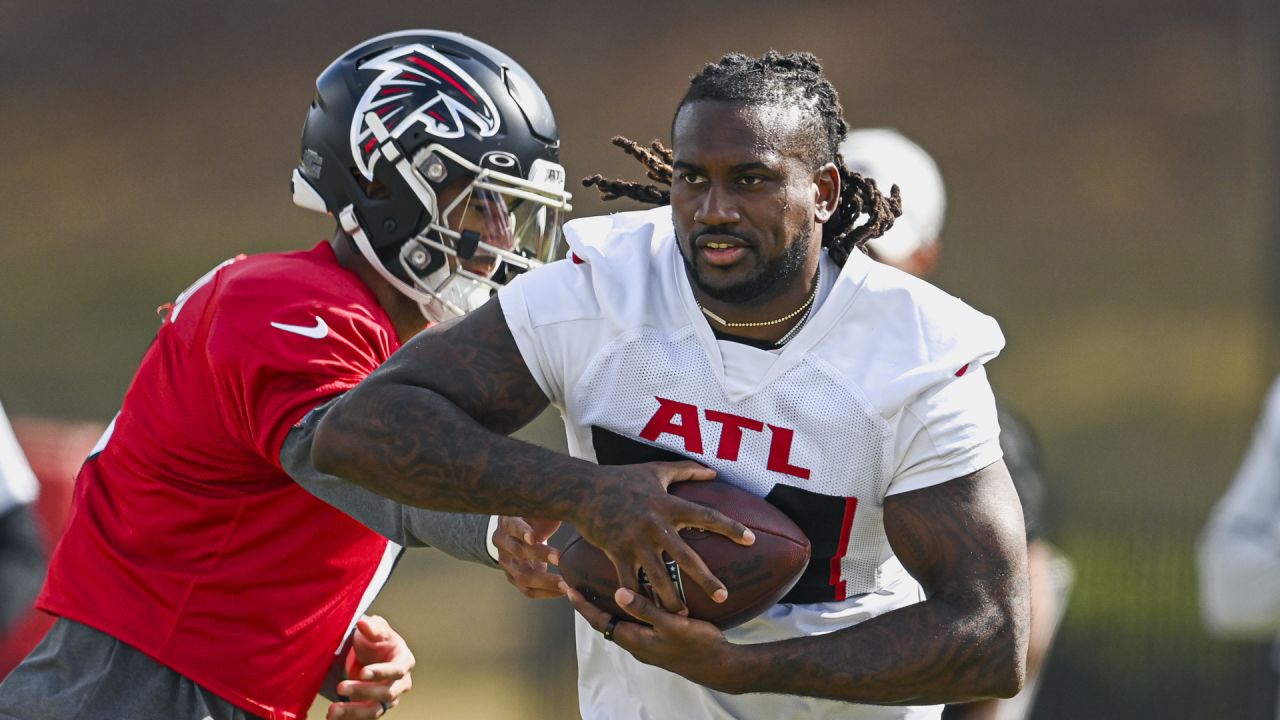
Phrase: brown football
{"type": "Point", "coordinates": [756, 575]}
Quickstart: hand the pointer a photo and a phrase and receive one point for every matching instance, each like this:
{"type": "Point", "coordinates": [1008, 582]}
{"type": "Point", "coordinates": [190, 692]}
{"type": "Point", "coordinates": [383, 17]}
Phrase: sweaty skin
{"type": "Point", "coordinates": [740, 180]}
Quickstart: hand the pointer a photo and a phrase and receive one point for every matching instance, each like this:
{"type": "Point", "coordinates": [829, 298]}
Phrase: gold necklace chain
{"type": "Point", "coordinates": [812, 294]}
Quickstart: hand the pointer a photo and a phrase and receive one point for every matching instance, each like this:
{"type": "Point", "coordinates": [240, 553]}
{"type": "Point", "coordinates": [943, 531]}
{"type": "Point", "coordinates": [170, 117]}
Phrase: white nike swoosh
{"type": "Point", "coordinates": [320, 330]}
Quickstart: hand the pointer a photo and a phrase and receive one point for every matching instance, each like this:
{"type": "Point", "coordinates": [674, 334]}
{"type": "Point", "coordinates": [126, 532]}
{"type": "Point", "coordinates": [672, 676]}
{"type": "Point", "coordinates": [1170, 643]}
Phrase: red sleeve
{"type": "Point", "coordinates": [278, 349]}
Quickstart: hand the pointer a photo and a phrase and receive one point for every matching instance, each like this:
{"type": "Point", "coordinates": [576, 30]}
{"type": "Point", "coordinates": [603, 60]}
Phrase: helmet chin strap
{"type": "Point", "coordinates": [455, 293]}
{"type": "Point", "coordinates": [434, 307]}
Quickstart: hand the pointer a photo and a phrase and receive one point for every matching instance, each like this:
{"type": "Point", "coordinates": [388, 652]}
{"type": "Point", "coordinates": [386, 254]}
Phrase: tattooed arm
{"type": "Point", "coordinates": [963, 540]}
{"type": "Point", "coordinates": [429, 427]}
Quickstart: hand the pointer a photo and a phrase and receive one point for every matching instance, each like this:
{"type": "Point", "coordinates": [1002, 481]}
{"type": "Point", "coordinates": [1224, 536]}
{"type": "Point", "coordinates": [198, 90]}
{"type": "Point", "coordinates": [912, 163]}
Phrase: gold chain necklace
{"type": "Point", "coordinates": [812, 294]}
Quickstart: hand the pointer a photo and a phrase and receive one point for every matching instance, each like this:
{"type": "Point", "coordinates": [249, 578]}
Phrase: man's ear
{"type": "Point", "coordinates": [826, 189]}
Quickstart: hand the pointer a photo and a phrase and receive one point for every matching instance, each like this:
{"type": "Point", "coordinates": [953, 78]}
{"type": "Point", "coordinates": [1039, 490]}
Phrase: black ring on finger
{"type": "Point", "coordinates": [608, 629]}
{"type": "Point", "coordinates": [384, 708]}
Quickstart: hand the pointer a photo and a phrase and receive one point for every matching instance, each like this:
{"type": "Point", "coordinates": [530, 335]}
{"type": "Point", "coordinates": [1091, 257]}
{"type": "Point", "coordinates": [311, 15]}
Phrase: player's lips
{"type": "Point", "coordinates": [721, 249]}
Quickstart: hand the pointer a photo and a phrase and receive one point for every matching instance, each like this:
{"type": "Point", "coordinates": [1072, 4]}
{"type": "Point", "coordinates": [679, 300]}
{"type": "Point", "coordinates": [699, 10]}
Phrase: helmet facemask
{"type": "Point", "coordinates": [497, 226]}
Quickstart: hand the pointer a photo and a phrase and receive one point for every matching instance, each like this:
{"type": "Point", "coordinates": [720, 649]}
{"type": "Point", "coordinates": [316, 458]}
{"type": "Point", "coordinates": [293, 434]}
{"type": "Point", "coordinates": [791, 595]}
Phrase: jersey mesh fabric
{"type": "Point", "coordinates": [187, 540]}
{"type": "Point", "coordinates": [836, 437]}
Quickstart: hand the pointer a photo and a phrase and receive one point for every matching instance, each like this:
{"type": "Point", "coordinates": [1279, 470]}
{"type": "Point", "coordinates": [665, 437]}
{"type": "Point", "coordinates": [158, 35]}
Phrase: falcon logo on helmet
{"type": "Point", "coordinates": [439, 157]}
{"type": "Point", "coordinates": [419, 86]}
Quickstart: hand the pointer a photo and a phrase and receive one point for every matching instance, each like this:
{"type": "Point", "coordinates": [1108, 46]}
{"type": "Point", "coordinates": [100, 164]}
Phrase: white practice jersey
{"type": "Point", "coordinates": [882, 391]}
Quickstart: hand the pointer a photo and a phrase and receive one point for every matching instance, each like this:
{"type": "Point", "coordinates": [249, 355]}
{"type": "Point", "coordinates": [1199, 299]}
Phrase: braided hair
{"type": "Point", "coordinates": [774, 79]}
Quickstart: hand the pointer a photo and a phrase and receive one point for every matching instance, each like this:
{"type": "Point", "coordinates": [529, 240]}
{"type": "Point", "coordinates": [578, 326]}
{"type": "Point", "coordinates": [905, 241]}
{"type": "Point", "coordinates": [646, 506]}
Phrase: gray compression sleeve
{"type": "Point", "coordinates": [461, 535]}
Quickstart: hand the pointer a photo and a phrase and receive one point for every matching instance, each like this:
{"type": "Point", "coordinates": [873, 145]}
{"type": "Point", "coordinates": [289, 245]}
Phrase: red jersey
{"type": "Point", "coordinates": [187, 539]}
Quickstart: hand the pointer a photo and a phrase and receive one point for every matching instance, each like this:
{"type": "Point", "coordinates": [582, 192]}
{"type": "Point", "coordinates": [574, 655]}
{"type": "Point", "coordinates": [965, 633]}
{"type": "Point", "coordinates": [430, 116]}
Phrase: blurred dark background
{"type": "Point", "coordinates": [1111, 171]}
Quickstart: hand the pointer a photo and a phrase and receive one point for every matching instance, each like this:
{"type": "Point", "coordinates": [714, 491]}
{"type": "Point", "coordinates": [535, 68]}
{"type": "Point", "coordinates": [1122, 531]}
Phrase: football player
{"type": "Point", "coordinates": [740, 325]}
{"type": "Point", "coordinates": [197, 579]}
{"type": "Point", "coordinates": [1238, 553]}
{"type": "Point", "coordinates": [22, 552]}
{"type": "Point", "coordinates": [914, 245]}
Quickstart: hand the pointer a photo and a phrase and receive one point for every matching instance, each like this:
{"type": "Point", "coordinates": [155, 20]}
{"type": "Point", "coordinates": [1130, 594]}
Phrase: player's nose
{"type": "Point", "coordinates": [717, 207]}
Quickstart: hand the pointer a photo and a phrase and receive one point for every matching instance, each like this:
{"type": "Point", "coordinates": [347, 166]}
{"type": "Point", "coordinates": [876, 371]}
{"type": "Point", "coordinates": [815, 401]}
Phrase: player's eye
{"type": "Point", "coordinates": [690, 177]}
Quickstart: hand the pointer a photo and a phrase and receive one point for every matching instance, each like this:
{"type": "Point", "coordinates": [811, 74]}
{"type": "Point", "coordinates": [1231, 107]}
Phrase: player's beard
{"type": "Point", "coordinates": [767, 282]}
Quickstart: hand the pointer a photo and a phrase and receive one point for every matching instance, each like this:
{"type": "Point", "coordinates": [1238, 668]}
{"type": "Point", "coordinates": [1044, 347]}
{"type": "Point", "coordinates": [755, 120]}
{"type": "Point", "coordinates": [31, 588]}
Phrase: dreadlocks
{"type": "Point", "coordinates": [791, 80]}
{"type": "Point", "coordinates": [657, 161]}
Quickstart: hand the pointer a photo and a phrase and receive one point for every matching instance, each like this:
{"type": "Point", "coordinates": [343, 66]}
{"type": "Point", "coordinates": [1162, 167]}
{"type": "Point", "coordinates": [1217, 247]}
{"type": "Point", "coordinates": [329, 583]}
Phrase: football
{"type": "Point", "coordinates": [756, 575]}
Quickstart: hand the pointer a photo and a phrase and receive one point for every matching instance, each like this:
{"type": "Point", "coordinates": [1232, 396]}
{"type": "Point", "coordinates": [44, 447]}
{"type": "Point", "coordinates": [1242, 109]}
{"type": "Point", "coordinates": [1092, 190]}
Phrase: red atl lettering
{"type": "Point", "coordinates": [731, 434]}
{"type": "Point", "coordinates": [681, 419]}
{"type": "Point", "coordinates": [780, 453]}
{"type": "Point", "coordinates": [663, 421]}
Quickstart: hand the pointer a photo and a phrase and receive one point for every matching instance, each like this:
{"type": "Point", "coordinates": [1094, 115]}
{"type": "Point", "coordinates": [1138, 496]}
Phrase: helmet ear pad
{"type": "Point", "coordinates": [392, 215]}
{"type": "Point", "coordinates": [390, 212]}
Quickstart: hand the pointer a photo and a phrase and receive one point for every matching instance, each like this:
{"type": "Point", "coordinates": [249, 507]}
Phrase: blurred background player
{"type": "Point", "coordinates": [913, 245]}
{"type": "Point", "coordinates": [1239, 553]}
{"type": "Point", "coordinates": [196, 578]}
{"type": "Point", "coordinates": [22, 553]}
{"type": "Point", "coordinates": [54, 449]}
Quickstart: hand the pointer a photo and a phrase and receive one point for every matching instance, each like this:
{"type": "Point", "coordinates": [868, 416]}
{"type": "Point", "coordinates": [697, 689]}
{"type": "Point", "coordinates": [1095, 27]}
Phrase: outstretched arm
{"type": "Point", "coordinates": [461, 535]}
{"type": "Point", "coordinates": [963, 540]}
{"type": "Point", "coordinates": [429, 429]}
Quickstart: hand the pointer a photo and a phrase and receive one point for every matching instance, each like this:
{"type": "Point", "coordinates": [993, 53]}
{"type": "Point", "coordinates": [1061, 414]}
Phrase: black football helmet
{"type": "Point", "coordinates": [439, 156]}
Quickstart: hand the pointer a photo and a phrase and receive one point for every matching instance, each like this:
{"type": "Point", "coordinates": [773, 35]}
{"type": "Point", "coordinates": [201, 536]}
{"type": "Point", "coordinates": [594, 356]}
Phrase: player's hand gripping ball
{"type": "Point", "coordinates": [756, 575]}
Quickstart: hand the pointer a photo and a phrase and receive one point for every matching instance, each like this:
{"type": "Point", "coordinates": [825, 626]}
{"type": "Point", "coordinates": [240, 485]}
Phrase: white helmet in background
{"type": "Point", "coordinates": [889, 158]}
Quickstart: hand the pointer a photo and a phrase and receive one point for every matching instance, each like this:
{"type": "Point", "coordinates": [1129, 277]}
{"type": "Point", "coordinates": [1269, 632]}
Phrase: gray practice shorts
{"type": "Point", "coordinates": [78, 673]}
